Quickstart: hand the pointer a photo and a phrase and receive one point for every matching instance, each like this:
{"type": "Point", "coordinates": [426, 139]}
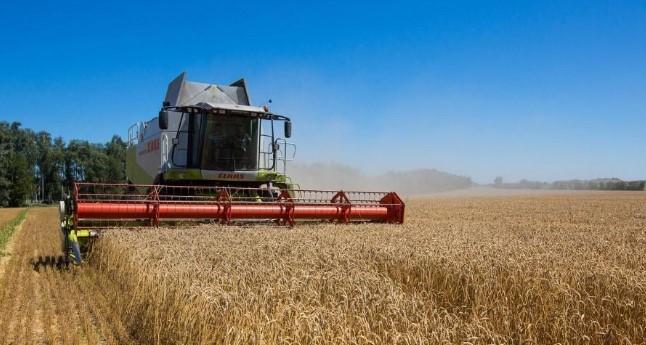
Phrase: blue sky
{"type": "Point", "coordinates": [537, 90]}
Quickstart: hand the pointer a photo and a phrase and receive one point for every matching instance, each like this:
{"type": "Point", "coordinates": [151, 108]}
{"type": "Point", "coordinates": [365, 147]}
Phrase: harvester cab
{"type": "Point", "coordinates": [210, 135]}
{"type": "Point", "coordinates": [211, 156]}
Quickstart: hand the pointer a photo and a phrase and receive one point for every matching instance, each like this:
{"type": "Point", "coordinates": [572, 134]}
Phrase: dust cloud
{"type": "Point", "coordinates": [336, 176]}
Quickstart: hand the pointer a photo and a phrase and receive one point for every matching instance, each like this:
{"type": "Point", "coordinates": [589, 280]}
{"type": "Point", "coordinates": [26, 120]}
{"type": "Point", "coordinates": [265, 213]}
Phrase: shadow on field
{"type": "Point", "coordinates": [59, 262]}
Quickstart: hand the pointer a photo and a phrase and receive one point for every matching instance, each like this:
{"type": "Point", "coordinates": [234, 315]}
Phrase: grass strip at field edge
{"type": "Point", "coordinates": [6, 236]}
{"type": "Point", "coordinates": [9, 229]}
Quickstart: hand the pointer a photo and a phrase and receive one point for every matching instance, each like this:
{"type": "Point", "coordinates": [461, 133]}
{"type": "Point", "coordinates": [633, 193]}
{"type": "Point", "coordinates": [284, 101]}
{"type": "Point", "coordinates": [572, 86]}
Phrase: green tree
{"type": "Point", "coordinates": [49, 167]}
{"type": "Point", "coordinates": [116, 152]}
{"type": "Point", "coordinates": [21, 180]}
{"type": "Point", "coordinates": [5, 149]}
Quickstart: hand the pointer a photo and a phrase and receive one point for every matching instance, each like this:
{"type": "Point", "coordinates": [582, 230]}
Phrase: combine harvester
{"type": "Point", "coordinates": [210, 155]}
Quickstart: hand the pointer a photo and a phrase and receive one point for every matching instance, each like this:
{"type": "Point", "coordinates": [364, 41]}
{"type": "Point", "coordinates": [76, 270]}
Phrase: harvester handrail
{"type": "Point", "coordinates": [102, 184]}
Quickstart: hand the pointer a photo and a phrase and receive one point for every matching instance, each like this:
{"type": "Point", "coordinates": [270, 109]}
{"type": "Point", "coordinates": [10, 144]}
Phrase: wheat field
{"type": "Point", "coordinates": [537, 269]}
{"type": "Point", "coordinates": [6, 214]}
{"type": "Point", "coordinates": [40, 304]}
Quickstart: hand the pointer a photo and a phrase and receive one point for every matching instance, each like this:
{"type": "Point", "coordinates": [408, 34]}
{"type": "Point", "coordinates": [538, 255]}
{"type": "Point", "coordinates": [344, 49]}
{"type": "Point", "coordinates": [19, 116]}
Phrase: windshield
{"type": "Point", "coordinates": [231, 143]}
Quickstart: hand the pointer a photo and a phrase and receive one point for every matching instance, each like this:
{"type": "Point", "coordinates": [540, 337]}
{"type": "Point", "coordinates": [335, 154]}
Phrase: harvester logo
{"type": "Point", "coordinates": [151, 146]}
{"type": "Point", "coordinates": [231, 176]}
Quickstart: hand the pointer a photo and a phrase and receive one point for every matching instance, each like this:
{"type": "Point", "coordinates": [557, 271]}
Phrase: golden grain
{"type": "Point", "coordinates": [523, 270]}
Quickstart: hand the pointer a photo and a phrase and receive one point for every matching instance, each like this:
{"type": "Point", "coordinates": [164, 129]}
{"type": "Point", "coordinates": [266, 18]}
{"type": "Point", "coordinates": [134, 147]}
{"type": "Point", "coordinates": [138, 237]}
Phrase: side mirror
{"type": "Point", "coordinates": [163, 120]}
{"type": "Point", "coordinates": [288, 129]}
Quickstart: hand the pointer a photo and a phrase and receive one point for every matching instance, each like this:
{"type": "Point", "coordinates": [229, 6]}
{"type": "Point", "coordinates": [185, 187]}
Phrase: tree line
{"type": "Point", "coordinates": [596, 184]}
{"type": "Point", "coordinates": [35, 167]}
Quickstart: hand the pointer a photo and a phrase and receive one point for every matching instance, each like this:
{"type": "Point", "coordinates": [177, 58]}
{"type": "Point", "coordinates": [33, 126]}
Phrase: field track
{"type": "Point", "coordinates": [45, 305]}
